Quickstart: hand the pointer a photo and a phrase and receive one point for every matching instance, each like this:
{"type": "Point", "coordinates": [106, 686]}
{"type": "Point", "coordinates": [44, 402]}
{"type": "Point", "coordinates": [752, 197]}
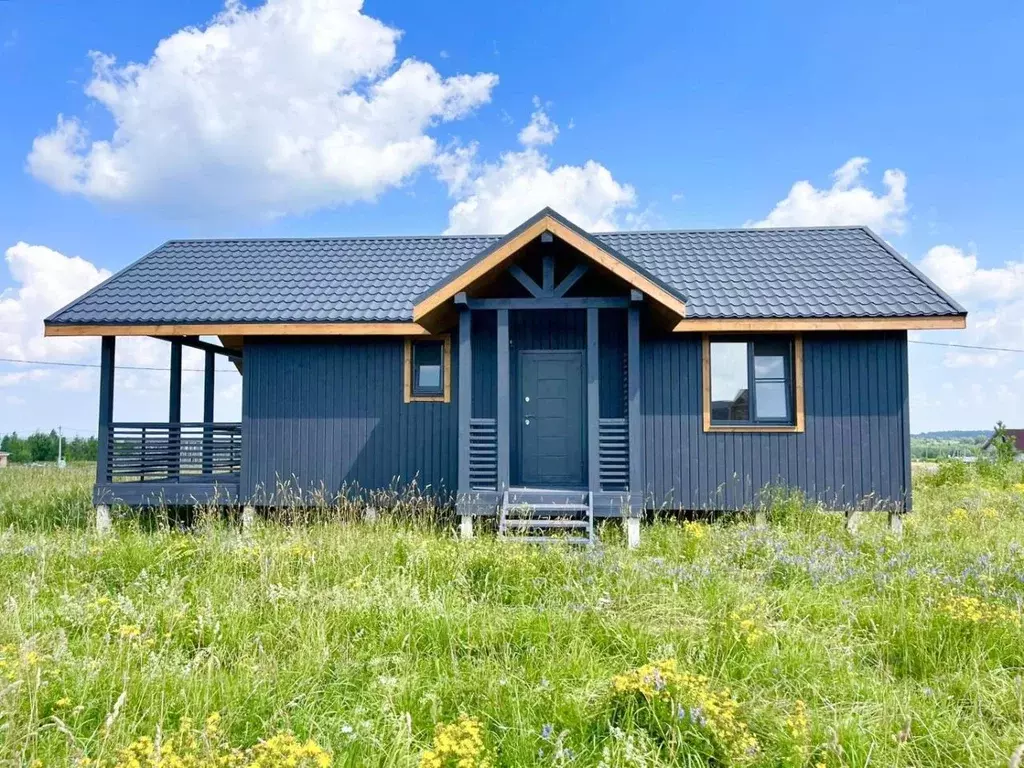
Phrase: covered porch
{"type": "Point", "coordinates": [548, 395]}
{"type": "Point", "coordinates": [172, 462]}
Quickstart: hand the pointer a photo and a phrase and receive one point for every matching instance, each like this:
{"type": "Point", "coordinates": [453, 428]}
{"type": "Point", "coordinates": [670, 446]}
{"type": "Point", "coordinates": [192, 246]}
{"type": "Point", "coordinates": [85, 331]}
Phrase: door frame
{"type": "Point", "coordinates": [517, 414]}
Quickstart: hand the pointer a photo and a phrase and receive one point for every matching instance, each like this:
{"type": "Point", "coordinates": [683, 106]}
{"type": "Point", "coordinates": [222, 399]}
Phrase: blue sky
{"type": "Point", "coordinates": [668, 115]}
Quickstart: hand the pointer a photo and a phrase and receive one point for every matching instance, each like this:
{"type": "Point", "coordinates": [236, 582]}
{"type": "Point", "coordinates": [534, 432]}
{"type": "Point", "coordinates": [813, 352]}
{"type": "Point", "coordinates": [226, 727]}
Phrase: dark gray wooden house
{"type": "Point", "coordinates": [549, 368]}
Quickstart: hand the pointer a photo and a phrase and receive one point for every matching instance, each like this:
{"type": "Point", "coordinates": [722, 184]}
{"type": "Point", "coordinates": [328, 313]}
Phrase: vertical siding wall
{"type": "Point", "coordinates": [332, 412]}
{"type": "Point", "coordinates": [855, 450]}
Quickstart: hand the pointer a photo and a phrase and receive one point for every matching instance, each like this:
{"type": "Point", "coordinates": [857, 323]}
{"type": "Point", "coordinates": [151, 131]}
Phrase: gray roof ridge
{"type": "Point", "coordinates": [325, 238]}
{"type": "Point", "coordinates": [91, 291]}
{"type": "Point", "coordinates": [906, 263]}
{"type": "Point", "coordinates": [492, 235]}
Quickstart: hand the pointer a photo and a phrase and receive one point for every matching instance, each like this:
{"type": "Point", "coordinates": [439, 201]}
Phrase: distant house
{"type": "Point", "coordinates": [551, 368]}
{"type": "Point", "coordinates": [3, 459]}
{"type": "Point", "coordinates": [1016, 435]}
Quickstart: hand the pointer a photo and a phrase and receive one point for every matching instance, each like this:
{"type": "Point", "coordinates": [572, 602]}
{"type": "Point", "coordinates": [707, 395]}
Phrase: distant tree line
{"type": "Point", "coordinates": [40, 446]}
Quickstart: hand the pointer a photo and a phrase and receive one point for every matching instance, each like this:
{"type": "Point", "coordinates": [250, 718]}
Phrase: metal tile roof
{"type": "Point", "coordinates": [747, 273]}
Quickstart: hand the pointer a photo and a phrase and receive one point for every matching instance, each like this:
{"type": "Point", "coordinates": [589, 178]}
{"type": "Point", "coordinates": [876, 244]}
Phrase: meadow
{"type": "Point", "coordinates": [328, 640]}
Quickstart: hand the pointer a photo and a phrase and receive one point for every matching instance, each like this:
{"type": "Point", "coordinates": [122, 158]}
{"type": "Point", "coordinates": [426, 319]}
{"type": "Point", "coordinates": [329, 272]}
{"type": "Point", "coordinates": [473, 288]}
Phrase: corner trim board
{"type": "Point", "coordinates": [798, 383]}
{"type": "Point", "coordinates": [407, 393]}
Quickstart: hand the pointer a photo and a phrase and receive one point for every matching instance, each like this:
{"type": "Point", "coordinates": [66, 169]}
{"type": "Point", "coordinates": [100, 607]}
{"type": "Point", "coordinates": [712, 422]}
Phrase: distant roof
{"type": "Point", "coordinates": [827, 272]}
{"type": "Point", "coordinates": [1016, 434]}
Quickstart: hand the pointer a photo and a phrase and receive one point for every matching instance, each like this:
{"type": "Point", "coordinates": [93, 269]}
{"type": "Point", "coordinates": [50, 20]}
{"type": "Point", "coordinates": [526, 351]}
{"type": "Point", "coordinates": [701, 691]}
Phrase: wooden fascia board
{"type": "Point", "coordinates": [242, 329]}
{"type": "Point", "coordinates": [729, 325]}
{"type": "Point", "coordinates": [547, 224]}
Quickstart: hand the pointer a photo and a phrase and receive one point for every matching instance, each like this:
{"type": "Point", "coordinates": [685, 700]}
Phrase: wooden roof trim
{"type": "Point", "coordinates": [242, 329]}
{"type": "Point", "coordinates": [726, 325]}
{"type": "Point", "coordinates": [547, 224]}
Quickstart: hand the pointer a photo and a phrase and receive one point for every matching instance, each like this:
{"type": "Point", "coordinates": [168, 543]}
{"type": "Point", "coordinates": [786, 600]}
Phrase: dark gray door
{"type": "Point", "coordinates": [551, 421]}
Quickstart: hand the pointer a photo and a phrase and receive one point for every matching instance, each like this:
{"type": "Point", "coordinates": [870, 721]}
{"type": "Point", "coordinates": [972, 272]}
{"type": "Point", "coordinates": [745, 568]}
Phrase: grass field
{"type": "Point", "coordinates": [394, 644]}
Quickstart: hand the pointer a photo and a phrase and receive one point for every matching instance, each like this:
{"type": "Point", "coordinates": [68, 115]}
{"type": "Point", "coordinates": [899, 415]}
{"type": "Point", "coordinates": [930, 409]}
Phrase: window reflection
{"type": "Point", "coordinates": [729, 382]}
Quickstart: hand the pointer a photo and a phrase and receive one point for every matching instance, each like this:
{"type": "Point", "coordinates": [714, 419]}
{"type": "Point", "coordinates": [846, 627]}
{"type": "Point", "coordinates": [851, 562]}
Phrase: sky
{"type": "Point", "coordinates": [128, 124]}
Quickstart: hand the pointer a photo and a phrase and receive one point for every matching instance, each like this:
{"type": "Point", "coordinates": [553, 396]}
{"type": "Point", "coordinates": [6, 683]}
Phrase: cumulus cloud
{"type": "Point", "coordinates": [994, 296]}
{"type": "Point", "coordinates": [540, 130]}
{"type": "Point", "coordinates": [495, 197]}
{"type": "Point", "coordinates": [959, 274]}
{"type": "Point", "coordinates": [846, 202]}
{"type": "Point", "coordinates": [286, 107]}
{"type": "Point", "coordinates": [45, 280]}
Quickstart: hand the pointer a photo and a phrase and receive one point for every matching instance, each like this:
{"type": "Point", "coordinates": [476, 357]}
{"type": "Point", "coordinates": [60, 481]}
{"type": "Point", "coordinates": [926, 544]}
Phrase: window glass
{"type": "Point", "coordinates": [772, 400]}
{"type": "Point", "coordinates": [751, 381]}
{"type": "Point", "coordinates": [730, 400]}
{"type": "Point", "coordinates": [427, 361]}
{"type": "Point", "coordinates": [769, 366]}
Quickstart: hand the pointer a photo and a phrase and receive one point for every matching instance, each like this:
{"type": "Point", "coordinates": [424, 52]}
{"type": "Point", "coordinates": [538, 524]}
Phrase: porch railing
{"type": "Point", "coordinates": [613, 453]}
{"type": "Point", "coordinates": [483, 454]}
{"type": "Point", "coordinates": [172, 452]}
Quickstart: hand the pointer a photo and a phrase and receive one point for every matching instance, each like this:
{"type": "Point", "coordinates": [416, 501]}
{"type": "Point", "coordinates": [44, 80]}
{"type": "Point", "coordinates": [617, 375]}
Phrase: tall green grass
{"type": "Point", "coordinates": [834, 649]}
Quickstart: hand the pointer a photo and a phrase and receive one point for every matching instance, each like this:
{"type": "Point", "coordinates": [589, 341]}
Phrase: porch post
{"type": "Point", "coordinates": [208, 382]}
{"type": "Point", "coordinates": [465, 395]}
{"type": "Point", "coordinates": [593, 401]}
{"type": "Point", "coordinates": [103, 524]}
{"type": "Point", "coordinates": [106, 409]}
{"type": "Point", "coordinates": [636, 492]}
{"type": "Point", "coordinates": [504, 402]}
{"type": "Point", "coordinates": [174, 414]}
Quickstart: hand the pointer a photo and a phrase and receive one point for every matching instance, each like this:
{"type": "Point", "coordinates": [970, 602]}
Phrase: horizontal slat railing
{"type": "Point", "coordinates": [161, 451]}
{"type": "Point", "coordinates": [613, 453]}
{"type": "Point", "coordinates": [483, 454]}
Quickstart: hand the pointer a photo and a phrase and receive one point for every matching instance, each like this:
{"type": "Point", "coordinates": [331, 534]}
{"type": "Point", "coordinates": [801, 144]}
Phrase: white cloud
{"type": "Point", "coordinates": [45, 281]}
{"type": "Point", "coordinates": [994, 297]}
{"type": "Point", "coordinates": [495, 197]}
{"type": "Point", "coordinates": [846, 202]}
{"type": "Point", "coordinates": [959, 274]}
{"type": "Point", "coordinates": [286, 107]}
{"type": "Point", "coordinates": [540, 130]}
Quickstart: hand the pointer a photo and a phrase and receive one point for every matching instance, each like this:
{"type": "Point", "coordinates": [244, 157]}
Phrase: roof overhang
{"type": "Point", "coordinates": [547, 221]}
{"type": "Point", "coordinates": [766, 324]}
{"type": "Point", "coordinates": [240, 329]}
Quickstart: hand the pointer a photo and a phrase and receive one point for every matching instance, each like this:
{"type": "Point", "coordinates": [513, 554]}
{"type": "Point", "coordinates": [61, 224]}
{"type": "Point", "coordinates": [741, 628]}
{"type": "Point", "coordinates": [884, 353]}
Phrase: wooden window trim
{"type": "Point", "coordinates": [446, 366]}
{"type": "Point", "coordinates": [798, 399]}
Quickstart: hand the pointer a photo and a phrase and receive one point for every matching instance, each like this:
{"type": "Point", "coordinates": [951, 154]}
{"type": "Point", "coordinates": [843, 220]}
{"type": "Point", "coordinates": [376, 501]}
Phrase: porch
{"type": "Point", "coordinates": [168, 462]}
{"type": "Point", "coordinates": [548, 392]}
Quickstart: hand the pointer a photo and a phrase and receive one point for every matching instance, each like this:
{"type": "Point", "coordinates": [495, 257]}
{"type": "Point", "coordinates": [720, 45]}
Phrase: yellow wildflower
{"type": "Point", "coordinates": [685, 700]}
{"type": "Point", "coordinates": [971, 610]}
{"type": "Point", "coordinates": [457, 745]}
{"type": "Point", "coordinates": [129, 631]}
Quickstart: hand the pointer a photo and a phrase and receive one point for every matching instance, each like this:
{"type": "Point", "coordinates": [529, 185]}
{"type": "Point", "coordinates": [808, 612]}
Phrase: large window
{"type": "Point", "coordinates": [753, 383]}
{"type": "Point", "coordinates": [428, 370]}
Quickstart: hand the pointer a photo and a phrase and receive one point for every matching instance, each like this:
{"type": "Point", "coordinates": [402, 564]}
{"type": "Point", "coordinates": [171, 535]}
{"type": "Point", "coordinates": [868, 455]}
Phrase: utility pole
{"type": "Point", "coordinates": [60, 448]}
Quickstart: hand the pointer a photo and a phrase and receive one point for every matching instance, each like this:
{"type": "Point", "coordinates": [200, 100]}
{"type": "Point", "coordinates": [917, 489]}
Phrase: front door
{"type": "Point", "coordinates": [551, 418]}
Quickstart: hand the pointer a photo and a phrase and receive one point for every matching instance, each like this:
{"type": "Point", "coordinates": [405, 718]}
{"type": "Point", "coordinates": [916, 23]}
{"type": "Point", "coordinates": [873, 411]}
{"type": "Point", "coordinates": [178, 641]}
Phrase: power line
{"type": "Point", "coordinates": [96, 365]}
{"type": "Point", "coordinates": [965, 346]}
{"type": "Point", "coordinates": [232, 370]}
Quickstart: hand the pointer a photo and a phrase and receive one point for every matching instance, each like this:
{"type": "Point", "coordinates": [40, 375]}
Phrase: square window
{"type": "Point", "coordinates": [426, 364]}
{"type": "Point", "coordinates": [751, 382]}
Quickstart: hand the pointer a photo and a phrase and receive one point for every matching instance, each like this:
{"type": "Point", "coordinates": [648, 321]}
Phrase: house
{"type": "Point", "coordinates": [549, 367]}
{"type": "Point", "coordinates": [1016, 435]}
{"type": "Point", "coordinates": [3, 459]}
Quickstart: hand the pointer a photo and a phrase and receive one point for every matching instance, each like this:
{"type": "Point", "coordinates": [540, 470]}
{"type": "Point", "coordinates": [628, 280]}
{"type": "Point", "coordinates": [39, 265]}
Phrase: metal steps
{"type": "Point", "coordinates": [535, 515]}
